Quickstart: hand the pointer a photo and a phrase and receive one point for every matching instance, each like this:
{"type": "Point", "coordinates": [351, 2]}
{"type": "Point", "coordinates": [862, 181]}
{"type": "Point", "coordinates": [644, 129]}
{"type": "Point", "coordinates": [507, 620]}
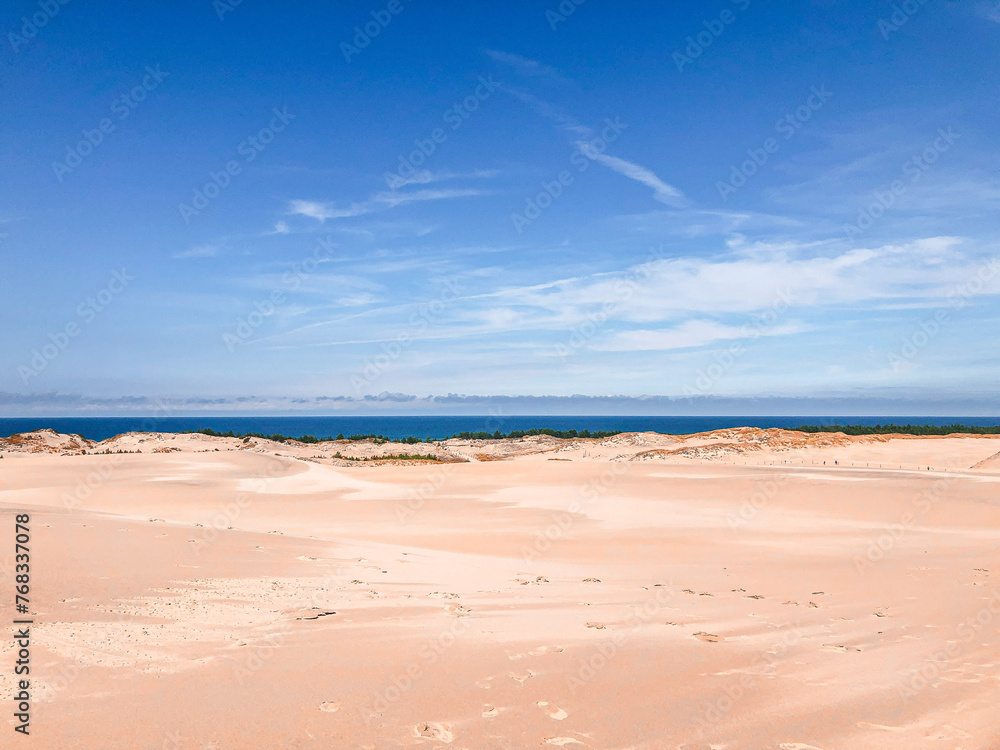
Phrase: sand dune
{"type": "Point", "coordinates": [735, 589]}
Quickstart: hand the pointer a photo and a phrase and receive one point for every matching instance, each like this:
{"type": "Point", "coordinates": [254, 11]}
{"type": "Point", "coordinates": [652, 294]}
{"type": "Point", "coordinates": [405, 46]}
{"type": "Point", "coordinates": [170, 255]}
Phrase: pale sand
{"type": "Point", "coordinates": [646, 592]}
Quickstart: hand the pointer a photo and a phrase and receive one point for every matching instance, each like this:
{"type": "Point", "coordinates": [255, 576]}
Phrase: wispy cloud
{"type": "Point", "coordinates": [377, 202]}
{"type": "Point", "coordinates": [550, 112]}
{"type": "Point", "coordinates": [527, 67]}
{"type": "Point", "coordinates": [673, 289]}
{"type": "Point", "coordinates": [425, 177]}
{"type": "Point", "coordinates": [201, 251]}
{"type": "Point", "coordinates": [662, 191]}
{"type": "Point", "coordinates": [690, 334]}
{"type": "Point", "coordinates": [358, 300]}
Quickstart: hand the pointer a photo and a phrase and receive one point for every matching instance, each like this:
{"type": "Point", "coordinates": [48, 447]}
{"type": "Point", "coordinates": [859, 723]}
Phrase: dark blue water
{"type": "Point", "coordinates": [101, 428]}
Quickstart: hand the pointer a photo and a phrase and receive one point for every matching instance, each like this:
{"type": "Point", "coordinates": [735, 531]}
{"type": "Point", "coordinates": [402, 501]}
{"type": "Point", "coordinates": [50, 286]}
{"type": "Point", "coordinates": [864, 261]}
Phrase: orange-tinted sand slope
{"type": "Point", "coordinates": [739, 589]}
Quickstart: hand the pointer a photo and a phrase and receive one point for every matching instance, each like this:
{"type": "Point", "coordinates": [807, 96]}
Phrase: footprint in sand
{"type": "Point", "coordinates": [554, 712]}
{"type": "Point", "coordinates": [839, 647]}
{"type": "Point", "coordinates": [489, 712]}
{"type": "Point", "coordinates": [313, 613]}
{"type": "Point", "coordinates": [434, 731]}
{"type": "Point", "coordinates": [485, 684]}
{"type": "Point", "coordinates": [947, 732]}
{"type": "Point", "coordinates": [597, 625]}
{"type": "Point", "coordinates": [545, 650]}
{"type": "Point", "coordinates": [591, 580]}
{"type": "Point", "coordinates": [710, 637]}
{"type": "Point", "coordinates": [330, 706]}
{"type": "Point", "coordinates": [869, 725]}
{"type": "Point", "coordinates": [521, 676]}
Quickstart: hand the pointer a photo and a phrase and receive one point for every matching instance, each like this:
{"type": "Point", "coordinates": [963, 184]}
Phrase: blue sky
{"type": "Point", "coordinates": [330, 207]}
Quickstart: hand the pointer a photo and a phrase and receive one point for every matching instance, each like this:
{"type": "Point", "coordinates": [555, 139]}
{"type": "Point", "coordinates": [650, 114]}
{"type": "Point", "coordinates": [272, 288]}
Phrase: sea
{"type": "Point", "coordinates": [437, 427]}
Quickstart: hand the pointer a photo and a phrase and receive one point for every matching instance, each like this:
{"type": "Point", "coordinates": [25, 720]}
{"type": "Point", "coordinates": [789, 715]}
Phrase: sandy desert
{"type": "Point", "coordinates": [738, 589]}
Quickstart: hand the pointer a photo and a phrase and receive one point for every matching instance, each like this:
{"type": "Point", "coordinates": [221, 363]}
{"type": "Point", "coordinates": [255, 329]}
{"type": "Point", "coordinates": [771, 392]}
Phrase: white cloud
{"type": "Point", "coordinates": [377, 202]}
{"type": "Point", "coordinates": [323, 211]}
{"type": "Point", "coordinates": [675, 288]}
{"type": "Point", "coordinates": [398, 199]}
{"type": "Point", "coordinates": [358, 300]}
{"type": "Point", "coordinates": [425, 177]}
{"type": "Point", "coordinates": [681, 303]}
{"type": "Point", "coordinates": [202, 251]}
{"type": "Point", "coordinates": [662, 192]}
{"type": "Point", "coordinates": [526, 66]}
{"type": "Point", "coordinates": [692, 333]}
